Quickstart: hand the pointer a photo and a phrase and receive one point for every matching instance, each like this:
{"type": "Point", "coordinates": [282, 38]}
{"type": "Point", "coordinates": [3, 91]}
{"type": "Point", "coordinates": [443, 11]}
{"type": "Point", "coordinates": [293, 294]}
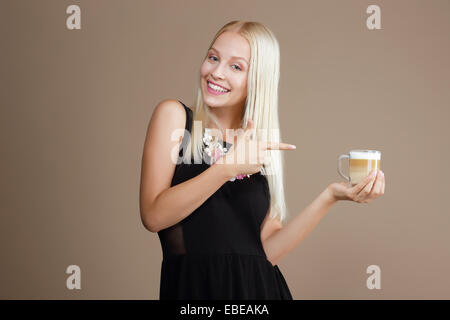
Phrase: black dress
{"type": "Point", "coordinates": [216, 251]}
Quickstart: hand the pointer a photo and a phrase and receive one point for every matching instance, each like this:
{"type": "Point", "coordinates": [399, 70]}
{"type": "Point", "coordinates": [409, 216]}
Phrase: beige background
{"type": "Point", "coordinates": [75, 106]}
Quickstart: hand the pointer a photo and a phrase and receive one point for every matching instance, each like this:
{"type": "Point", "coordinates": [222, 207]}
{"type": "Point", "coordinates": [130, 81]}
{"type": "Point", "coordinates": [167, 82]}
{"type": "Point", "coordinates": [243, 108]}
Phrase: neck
{"type": "Point", "coordinates": [228, 117]}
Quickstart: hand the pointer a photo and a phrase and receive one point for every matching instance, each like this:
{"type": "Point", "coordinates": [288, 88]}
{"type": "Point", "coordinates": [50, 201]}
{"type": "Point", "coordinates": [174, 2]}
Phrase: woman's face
{"type": "Point", "coordinates": [226, 65]}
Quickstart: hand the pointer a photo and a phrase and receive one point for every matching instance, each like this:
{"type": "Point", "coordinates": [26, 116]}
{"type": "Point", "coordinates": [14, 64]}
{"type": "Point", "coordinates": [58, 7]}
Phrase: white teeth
{"type": "Point", "coordinates": [216, 88]}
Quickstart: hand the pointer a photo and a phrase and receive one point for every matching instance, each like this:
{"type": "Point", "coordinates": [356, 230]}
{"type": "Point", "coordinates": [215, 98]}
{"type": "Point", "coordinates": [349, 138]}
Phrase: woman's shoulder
{"type": "Point", "coordinates": [169, 105]}
{"type": "Point", "coordinates": [169, 114]}
{"type": "Point", "coordinates": [172, 106]}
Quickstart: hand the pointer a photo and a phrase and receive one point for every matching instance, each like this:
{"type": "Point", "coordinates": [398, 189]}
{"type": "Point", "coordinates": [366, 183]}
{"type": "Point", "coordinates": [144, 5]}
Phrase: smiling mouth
{"type": "Point", "coordinates": [216, 88]}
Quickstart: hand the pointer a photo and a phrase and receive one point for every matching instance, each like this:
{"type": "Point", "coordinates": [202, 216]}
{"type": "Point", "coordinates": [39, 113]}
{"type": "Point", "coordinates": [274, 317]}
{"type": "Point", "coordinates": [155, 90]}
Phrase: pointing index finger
{"type": "Point", "coordinates": [279, 146]}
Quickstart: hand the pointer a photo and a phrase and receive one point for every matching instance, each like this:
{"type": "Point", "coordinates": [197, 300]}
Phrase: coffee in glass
{"type": "Point", "coordinates": [361, 163]}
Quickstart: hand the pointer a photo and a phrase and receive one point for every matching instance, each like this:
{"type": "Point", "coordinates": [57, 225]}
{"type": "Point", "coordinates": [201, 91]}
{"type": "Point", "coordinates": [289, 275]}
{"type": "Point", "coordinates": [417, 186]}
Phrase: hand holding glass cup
{"type": "Point", "coordinates": [365, 181]}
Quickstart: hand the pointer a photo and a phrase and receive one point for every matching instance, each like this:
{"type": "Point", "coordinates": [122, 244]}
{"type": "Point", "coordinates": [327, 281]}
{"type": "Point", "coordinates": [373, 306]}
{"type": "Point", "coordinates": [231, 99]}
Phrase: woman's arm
{"type": "Point", "coordinates": [162, 206]}
{"type": "Point", "coordinates": [176, 203]}
{"type": "Point", "coordinates": [283, 241]}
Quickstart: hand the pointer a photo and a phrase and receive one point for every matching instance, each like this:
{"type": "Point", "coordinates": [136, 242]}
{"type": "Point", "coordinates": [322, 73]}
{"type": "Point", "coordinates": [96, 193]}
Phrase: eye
{"type": "Point", "coordinates": [238, 68]}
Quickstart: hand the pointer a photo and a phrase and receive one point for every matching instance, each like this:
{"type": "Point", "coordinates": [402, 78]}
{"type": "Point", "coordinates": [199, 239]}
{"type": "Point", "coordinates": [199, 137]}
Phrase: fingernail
{"type": "Point", "coordinates": [374, 173]}
{"type": "Point", "coordinates": [293, 146]}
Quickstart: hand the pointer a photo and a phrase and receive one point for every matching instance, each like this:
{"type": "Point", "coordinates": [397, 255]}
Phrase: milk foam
{"type": "Point", "coordinates": [365, 155]}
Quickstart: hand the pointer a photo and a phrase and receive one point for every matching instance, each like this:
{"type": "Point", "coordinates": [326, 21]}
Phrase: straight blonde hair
{"type": "Point", "coordinates": [261, 105]}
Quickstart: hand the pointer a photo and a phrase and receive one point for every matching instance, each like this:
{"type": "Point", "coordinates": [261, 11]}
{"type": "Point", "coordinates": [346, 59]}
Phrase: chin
{"type": "Point", "coordinates": [211, 102]}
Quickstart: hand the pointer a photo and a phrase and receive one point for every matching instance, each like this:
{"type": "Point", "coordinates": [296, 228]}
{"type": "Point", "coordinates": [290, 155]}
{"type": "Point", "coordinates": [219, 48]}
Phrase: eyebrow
{"type": "Point", "coordinates": [212, 48]}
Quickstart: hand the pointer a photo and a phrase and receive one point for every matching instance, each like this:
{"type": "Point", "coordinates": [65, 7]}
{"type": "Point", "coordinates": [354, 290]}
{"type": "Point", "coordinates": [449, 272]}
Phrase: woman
{"type": "Point", "coordinates": [219, 210]}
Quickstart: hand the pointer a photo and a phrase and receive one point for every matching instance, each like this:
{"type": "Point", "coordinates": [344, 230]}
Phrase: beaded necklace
{"type": "Point", "coordinates": [214, 149]}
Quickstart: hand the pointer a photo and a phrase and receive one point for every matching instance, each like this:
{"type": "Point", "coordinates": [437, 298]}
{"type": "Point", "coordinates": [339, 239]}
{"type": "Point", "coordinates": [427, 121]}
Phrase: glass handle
{"type": "Point", "coordinates": [342, 156]}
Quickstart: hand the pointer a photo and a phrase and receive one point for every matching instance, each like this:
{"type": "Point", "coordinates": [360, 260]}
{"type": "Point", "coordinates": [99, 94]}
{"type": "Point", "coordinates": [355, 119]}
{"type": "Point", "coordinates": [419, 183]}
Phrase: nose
{"type": "Point", "coordinates": [217, 74]}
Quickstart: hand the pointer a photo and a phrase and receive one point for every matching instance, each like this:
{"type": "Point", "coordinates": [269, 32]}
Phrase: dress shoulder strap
{"type": "Point", "coordinates": [188, 128]}
{"type": "Point", "coordinates": [189, 116]}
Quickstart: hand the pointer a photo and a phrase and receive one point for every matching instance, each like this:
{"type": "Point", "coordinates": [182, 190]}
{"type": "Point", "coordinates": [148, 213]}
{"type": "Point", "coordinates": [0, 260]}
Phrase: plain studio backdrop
{"type": "Point", "coordinates": [75, 105]}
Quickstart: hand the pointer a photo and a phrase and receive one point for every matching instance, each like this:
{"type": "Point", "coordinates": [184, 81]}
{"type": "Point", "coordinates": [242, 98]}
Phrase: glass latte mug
{"type": "Point", "coordinates": [361, 162]}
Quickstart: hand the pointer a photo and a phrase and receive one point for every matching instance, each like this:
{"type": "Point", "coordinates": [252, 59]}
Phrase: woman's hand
{"type": "Point", "coordinates": [368, 189]}
{"type": "Point", "coordinates": [250, 153]}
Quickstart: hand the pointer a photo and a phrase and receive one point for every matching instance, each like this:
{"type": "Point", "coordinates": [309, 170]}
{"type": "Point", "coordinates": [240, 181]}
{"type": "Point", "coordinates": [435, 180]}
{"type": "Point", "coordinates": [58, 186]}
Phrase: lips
{"type": "Point", "coordinates": [216, 84]}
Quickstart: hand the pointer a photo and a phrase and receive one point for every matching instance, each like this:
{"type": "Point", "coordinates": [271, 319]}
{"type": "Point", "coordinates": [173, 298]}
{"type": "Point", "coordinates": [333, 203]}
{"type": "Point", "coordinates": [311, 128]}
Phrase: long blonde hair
{"type": "Point", "coordinates": [261, 105]}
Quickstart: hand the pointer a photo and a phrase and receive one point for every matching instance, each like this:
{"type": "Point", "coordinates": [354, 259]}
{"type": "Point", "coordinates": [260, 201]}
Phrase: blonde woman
{"type": "Point", "coordinates": [212, 177]}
